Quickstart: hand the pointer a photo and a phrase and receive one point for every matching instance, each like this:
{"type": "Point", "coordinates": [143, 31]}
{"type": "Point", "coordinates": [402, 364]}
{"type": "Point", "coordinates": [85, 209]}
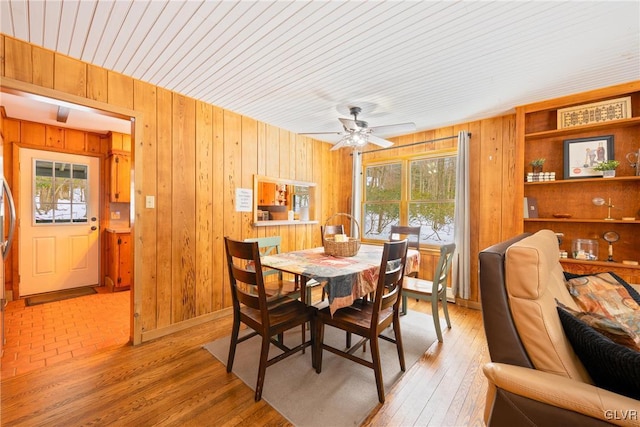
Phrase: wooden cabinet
{"type": "Point", "coordinates": [118, 260]}
{"type": "Point", "coordinates": [539, 134]}
{"type": "Point", "coordinates": [270, 193]}
{"type": "Point", "coordinates": [267, 193]}
{"type": "Point", "coordinates": [120, 178]}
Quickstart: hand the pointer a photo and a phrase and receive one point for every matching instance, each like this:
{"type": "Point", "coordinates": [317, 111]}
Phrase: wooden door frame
{"type": "Point", "coordinates": [15, 86]}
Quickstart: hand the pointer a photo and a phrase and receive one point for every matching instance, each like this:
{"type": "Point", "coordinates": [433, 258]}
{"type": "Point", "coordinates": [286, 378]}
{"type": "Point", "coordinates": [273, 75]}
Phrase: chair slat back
{"type": "Point", "coordinates": [330, 230]}
{"type": "Point", "coordinates": [268, 246]}
{"type": "Point", "coordinates": [243, 261]}
{"type": "Point", "coordinates": [389, 288]}
{"type": "Point", "coordinates": [444, 266]}
{"type": "Point", "coordinates": [405, 232]}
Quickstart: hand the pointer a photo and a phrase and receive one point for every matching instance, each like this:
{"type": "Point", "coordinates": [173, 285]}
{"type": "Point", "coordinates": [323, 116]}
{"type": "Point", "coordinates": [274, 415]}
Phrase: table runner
{"type": "Point", "coordinates": [344, 278]}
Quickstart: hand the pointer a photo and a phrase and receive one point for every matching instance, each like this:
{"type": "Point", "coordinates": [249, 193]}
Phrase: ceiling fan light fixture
{"type": "Point", "coordinates": [357, 138]}
{"type": "Point", "coordinates": [357, 133]}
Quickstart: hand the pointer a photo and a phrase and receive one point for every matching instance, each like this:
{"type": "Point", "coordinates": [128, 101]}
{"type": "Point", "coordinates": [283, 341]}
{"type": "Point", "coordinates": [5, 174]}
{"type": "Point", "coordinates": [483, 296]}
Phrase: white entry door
{"type": "Point", "coordinates": [59, 226]}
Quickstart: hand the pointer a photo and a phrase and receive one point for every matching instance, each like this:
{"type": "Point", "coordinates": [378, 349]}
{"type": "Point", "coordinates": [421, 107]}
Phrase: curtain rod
{"type": "Point", "coordinates": [412, 144]}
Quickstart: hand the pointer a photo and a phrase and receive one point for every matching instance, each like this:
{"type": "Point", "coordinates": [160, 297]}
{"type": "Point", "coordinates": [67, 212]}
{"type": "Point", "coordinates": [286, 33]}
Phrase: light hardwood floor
{"type": "Point", "coordinates": [173, 381]}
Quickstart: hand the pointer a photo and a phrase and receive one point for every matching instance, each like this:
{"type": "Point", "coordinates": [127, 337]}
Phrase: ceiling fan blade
{"type": "Point", "coordinates": [397, 128]}
{"type": "Point", "coordinates": [339, 144]}
{"type": "Point", "coordinates": [320, 133]}
{"type": "Point", "coordinates": [379, 141]}
{"type": "Point", "coordinates": [349, 124]}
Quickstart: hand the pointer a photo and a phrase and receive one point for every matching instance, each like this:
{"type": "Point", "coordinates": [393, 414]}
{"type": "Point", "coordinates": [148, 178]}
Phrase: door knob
{"type": "Point", "coordinates": [94, 228]}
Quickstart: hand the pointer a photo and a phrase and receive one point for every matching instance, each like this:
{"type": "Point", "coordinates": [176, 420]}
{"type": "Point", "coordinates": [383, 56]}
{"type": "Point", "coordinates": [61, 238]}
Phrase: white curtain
{"type": "Point", "coordinates": [356, 190]}
{"type": "Point", "coordinates": [460, 264]}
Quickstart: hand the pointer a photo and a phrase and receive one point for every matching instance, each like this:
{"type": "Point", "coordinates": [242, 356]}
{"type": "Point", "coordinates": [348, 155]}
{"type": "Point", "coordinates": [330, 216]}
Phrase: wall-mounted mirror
{"type": "Point", "coordinates": [282, 201]}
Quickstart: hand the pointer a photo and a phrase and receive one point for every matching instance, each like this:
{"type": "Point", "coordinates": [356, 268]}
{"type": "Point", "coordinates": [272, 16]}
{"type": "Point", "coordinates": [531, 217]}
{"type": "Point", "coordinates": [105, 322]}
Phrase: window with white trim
{"type": "Point", "coordinates": [416, 191]}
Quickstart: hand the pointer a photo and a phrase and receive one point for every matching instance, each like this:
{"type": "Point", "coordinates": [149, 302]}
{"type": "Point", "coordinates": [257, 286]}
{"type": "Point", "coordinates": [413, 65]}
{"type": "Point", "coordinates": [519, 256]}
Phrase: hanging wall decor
{"type": "Point", "coordinates": [597, 112]}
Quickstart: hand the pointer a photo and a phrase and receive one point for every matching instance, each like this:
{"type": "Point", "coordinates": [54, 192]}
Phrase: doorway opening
{"type": "Point", "coordinates": [114, 309]}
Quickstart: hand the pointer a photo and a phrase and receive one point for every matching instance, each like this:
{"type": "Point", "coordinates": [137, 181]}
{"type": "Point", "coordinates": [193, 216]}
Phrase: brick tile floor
{"type": "Point", "coordinates": [41, 335]}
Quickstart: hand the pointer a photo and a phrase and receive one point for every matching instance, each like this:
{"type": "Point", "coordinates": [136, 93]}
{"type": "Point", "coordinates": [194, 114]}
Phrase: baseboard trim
{"type": "Point", "coordinates": [474, 305]}
{"type": "Point", "coordinates": [177, 327]}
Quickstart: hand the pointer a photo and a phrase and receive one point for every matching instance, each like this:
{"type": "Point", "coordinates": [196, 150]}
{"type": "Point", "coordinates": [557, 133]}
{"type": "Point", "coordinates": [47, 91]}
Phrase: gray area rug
{"type": "Point", "coordinates": [344, 393]}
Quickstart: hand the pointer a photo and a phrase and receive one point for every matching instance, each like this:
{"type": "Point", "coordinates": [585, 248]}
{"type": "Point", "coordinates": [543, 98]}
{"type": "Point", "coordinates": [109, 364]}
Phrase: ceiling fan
{"type": "Point", "coordinates": [357, 133]}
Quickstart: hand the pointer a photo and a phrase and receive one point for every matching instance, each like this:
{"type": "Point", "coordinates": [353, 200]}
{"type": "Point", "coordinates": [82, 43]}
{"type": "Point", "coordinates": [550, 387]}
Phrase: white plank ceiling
{"type": "Point", "coordinates": [300, 64]}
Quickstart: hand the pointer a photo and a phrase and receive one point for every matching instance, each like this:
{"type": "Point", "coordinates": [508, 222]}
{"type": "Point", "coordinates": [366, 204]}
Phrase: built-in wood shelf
{"type": "Point", "coordinates": [540, 137]}
{"type": "Point", "coordinates": [576, 130]}
{"type": "Point", "coordinates": [281, 222]}
{"type": "Point", "coordinates": [607, 264]}
{"type": "Point", "coordinates": [585, 180]}
{"type": "Point", "coordinates": [580, 220]}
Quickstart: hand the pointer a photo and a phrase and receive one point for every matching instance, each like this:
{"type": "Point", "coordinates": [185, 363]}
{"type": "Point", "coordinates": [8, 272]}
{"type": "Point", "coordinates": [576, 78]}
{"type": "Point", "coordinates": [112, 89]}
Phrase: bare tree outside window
{"type": "Point", "coordinates": [383, 192]}
{"type": "Point", "coordinates": [429, 201]}
{"type": "Point", "coordinates": [432, 196]}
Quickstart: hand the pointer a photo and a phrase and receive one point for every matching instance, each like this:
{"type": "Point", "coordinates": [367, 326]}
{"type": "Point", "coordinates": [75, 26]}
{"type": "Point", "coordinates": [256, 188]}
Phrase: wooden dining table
{"type": "Point", "coordinates": [345, 279]}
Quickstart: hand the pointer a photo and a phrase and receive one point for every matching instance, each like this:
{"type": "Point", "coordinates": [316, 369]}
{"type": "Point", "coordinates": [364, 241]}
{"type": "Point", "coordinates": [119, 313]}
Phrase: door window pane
{"type": "Point", "coordinates": [60, 193]}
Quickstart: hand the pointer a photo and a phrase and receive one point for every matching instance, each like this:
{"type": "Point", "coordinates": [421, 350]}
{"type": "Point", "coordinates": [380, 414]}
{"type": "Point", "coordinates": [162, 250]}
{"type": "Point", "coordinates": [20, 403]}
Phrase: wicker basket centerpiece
{"type": "Point", "coordinates": [349, 247]}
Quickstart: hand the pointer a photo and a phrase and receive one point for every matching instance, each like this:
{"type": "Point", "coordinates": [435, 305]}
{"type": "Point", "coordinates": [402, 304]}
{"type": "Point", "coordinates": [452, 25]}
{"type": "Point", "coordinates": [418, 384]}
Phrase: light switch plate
{"type": "Point", "coordinates": [150, 202]}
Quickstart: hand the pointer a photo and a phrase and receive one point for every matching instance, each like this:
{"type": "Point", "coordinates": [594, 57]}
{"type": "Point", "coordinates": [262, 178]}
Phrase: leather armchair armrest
{"type": "Point", "coordinates": [564, 393]}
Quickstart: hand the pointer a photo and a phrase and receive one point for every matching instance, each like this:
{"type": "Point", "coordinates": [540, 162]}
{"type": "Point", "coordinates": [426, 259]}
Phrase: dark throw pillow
{"type": "Point", "coordinates": [611, 366]}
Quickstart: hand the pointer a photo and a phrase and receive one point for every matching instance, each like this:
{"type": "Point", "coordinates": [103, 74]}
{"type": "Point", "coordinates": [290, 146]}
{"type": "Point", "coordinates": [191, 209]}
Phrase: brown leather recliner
{"type": "Point", "coordinates": [534, 376]}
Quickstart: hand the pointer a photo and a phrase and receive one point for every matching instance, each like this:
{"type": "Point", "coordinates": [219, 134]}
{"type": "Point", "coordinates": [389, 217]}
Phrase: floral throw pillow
{"type": "Point", "coordinates": [603, 295]}
{"type": "Point", "coordinates": [611, 329]}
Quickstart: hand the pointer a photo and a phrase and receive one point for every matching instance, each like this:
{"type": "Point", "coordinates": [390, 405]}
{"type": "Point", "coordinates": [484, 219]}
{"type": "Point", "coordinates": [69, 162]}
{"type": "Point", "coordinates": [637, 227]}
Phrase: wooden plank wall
{"type": "Point", "coordinates": [194, 156]}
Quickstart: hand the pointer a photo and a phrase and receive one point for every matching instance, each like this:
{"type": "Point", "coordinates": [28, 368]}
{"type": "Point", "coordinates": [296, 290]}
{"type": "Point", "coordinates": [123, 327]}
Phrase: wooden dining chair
{"type": "Point", "coordinates": [368, 319]}
{"type": "Point", "coordinates": [330, 230]}
{"type": "Point", "coordinates": [266, 320]}
{"type": "Point", "coordinates": [276, 287]}
{"type": "Point", "coordinates": [432, 290]}
{"type": "Point", "coordinates": [412, 234]}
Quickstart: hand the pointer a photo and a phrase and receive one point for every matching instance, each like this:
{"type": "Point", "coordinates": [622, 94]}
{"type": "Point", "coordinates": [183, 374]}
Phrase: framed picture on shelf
{"type": "Point", "coordinates": [581, 155]}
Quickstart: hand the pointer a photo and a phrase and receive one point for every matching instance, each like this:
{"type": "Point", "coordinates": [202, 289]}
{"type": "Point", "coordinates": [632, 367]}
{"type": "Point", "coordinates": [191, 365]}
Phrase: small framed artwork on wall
{"type": "Point", "coordinates": [582, 155]}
